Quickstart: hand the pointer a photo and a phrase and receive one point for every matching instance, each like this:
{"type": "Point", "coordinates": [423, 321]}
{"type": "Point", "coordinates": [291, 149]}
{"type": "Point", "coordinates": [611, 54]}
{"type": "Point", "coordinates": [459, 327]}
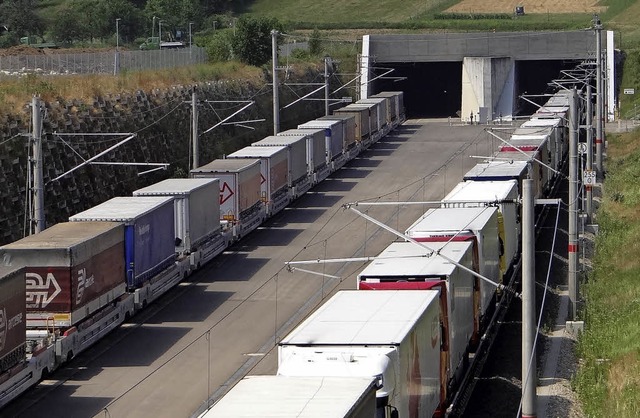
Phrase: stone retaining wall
{"type": "Point", "coordinates": [162, 121]}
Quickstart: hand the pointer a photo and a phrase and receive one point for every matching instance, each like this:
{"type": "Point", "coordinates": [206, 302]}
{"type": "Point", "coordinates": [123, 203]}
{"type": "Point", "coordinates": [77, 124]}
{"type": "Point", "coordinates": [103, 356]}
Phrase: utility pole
{"type": "Point", "coordinates": [274, 70]}
{"type": "Point", "coordinates": [326, 85]}
{"type": "Point", "coordinates": [190, 43]}
{"type": "Point", "coordinates": [194, 128]}
{"type": "Point", "coordinates": [573, 203]}
{"type": "Point", "coordinates": [599, 95]}
{"type": "Point", "coordinates": [37, 190]}
{"type": "Point", "coordinates": [529, 380]}
{"type": "Point", "coordinates": [588, 186]}
{"type": "Point", "coordinates": [116, 63]}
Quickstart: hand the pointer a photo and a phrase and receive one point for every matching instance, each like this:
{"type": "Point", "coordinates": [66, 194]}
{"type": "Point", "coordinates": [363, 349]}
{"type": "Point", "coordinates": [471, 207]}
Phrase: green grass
{"type": "Point", "coordinates": [344, 11]}
{"type": "Point", "coordinates": [609, 380]}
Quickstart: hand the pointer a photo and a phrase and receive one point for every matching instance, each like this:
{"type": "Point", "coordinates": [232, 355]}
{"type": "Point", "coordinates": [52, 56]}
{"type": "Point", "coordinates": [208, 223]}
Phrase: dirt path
{"type": "Point", "coordinates": [530, 6]}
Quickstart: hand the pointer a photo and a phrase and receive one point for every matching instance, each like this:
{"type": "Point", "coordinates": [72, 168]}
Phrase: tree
{"type": "Point", "coordinates": [20, 17]}
{"type": "Point", "coordinates": [315, 42]}
{"type": "Point", "coordinates": [175, 14]}
{"type": "Point", "coordinates": [67, 26]}
{"type": "Point", "coordinates": [219, 46]}
{"type": "Point", "coordinates": [252, 42]}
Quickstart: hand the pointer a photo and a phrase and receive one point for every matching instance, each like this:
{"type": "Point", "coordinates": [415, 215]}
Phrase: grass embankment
{"type": "Point", "coordinates": [609, 380]}
{"type": "Point", "coordinates": [16, 92]}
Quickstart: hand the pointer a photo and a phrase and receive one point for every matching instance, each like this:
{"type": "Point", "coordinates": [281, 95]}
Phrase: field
{"type": "Point", "coordinates": [347, 11]}
{"type": "Point", "coordinates": [530, 7]}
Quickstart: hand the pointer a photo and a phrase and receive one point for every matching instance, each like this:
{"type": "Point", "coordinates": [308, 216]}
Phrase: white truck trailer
{"type": "Point", "coordinates": [503, 195]}
{"type": "Point", "coordinates": [407, 266]}
{"type": "Point", "coordinates": [298, 397]}
{"type": "Point", "coordinates": [392, 336]}
{"type": "Point", "coordinates": [477, 225]}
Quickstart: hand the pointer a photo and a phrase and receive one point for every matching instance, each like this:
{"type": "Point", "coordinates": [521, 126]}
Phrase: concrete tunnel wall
{"type": "Point", "coordinates": [498, 75]}
{"type": "Point", "coordinates": [488, 88]}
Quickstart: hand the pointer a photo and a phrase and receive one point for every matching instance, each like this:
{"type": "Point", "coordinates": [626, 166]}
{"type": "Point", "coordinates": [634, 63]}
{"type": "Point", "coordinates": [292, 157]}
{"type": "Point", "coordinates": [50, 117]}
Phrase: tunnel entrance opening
{"type": "Point", "coordinates": [431, 89]}
{"type": "Point", "coordinates": [533, 78]}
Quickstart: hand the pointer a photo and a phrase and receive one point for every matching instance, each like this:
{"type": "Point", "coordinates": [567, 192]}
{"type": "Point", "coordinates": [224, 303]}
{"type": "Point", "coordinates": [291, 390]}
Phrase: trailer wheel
{"type": "Point", "coordinates": [69, 356]}
{"type": "Point", "coordinates": [45, 374]}
{"type": "Point", "coordinates": [127, 316]}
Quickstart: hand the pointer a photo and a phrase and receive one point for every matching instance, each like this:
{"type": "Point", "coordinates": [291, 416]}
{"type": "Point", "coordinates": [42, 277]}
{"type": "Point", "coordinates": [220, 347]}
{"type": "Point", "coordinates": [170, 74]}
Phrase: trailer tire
{"type": "Point", "coordinates": [69, 356]}
{"type": "Point", "coordinates": [127, 316]}
{"type": "Point", "coordinates": [44, 374]}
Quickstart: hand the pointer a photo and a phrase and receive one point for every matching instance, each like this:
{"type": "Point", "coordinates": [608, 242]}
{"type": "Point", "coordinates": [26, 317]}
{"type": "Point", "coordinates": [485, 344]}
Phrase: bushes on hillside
{"type": "Point", "coordinates": [249, 42]}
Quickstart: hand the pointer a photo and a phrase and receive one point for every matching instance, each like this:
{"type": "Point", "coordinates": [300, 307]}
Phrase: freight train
{"type": "Point", "coordinates": [65, 288]}
{"type": "Point", "coordinates": [423, 303]}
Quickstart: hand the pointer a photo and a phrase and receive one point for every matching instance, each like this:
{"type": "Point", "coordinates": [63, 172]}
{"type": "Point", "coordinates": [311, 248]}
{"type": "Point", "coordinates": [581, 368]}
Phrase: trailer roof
{"type": "Point", "coordinates": [355, 107]}
{"type": "Point", "coordinates": [9, 271]}
{"type": "Point", "coordinates": [497, 170]}
{"type": "Point", "coordinates": [233, 165]}
{"type": "Point", "coordinates": [175, 187]}
{"type": "Point", "coordinates": [526, 139]}
{"type": "Point", "coordinates": [63, 235]}
{"type": "Point", "coordinates": [406, 259]}
{"type": "Point", "coordinates": [388, 94]}
{"type": "Point", "coordinates": [372, 99]}
{"type": "Point", "coordinates": [438, 220]}
{"type": "Point", "coordinates": [292, 397]}
{"type": "Point", "coordinates": [550, 111]}
{"type": "Point", "coordinates": [122, 208]}
{"type": "Point", "coordinates": [257, 152]}
{"type": "Point", "coordinates": [337, 117]}
{"type": "Point", "coordinates": [279, 140]}
{"type": "Point", "coordinates": [536, 122]}
{"type": "Point", "coordinates": [481, 191]}
{"type": "Point", "coordinates": [516, 155]}
{"type": "Point", "coordinates": [533, 130]}
{"type": "Point", "coordinates": [320, 124]}
{"type": "Point", "coordinates": [354, 317]}
{"type": "Point", "coordinates": [303, 132]}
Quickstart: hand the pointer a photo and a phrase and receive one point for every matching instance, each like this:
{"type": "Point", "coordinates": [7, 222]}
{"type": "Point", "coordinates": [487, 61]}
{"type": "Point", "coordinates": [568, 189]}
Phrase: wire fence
{"type": "Point", "coordinates": [99, 62]}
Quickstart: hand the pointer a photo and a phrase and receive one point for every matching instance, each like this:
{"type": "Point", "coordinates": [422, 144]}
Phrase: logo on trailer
{"type": "Point", "coordinates": [435, 331]}
{"type": "Point", "coordinates": [225, 193]}
{"type": "Point", "coordinates": [41, 293]}
{"type": "Point", "coordinates": [6, 324]}
{"type": "Point", "coordinates": [3, 328]}
{"type": "Point", "coordinates": [84, 282]}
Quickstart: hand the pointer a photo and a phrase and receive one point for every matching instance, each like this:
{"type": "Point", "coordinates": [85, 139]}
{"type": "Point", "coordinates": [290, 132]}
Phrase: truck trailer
{"type": "Point", "coordinates": [196, 217]}
{"type": "Point", "coordinates": [274, 169]}
{"type": "Point", "coordinates": [148, 223]}
{"type": "Point", "coordinates": [477, 225]}
{"type": "Point", "coordinates": [503, 195]}
{"type": "Point", "coordinates": [391, 336]}
{"type": "Point", "coordinates": [407, 266]}
{"type": "Point", "coordinates": [298, 397]}
{"type": "Point", "coordinates": [241, 203]}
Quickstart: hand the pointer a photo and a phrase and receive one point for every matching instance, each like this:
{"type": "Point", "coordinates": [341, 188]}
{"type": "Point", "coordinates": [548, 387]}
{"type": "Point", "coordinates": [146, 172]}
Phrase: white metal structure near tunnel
{"type": "Point", "coordinates": [489, 63]}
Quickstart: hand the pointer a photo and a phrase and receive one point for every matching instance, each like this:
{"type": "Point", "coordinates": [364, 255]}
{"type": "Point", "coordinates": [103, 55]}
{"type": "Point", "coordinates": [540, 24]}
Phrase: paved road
{"type": "Point", "coordinates": [222, 324]}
